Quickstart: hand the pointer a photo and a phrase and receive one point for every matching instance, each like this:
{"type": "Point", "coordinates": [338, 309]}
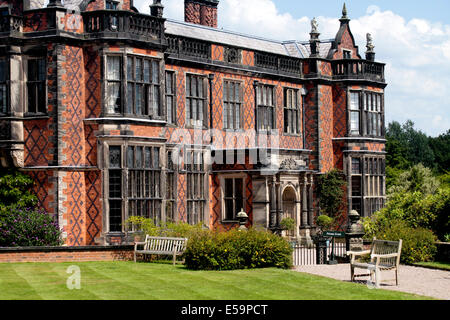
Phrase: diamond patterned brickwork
{"type": "Point", "coordinates": [339, 111]}
{"type": "Point", "coordinates": [36, 21]}
{"type": "Point", "coordinates": [43, 188]}
{"type": "Point", "coordinates": [325, 68]}
{"type": "Point", "coordinates": [37, 144]}
{"type": "Point", "coordinates": [217, 52]}
{"type": "Point", "coordinates": [93, 206]}
{"type": "Point", "coordinates": [75, 205]}
{"type": "Point", "coordinates": [73, 90]}
{"type": "Point", "coordinates": [248, 58]}
{"type": "Point", "coordinates": [325, 128]}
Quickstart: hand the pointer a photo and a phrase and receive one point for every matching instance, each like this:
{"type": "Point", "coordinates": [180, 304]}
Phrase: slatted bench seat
{"type": "Point", "coordinates": [384, 255]}
{"type": "Point", "coordinates": [161, 246]}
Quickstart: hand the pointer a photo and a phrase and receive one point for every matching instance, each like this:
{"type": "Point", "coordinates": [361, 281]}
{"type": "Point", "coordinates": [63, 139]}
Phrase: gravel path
{"type": "Point", "coordinates": [422, 281]}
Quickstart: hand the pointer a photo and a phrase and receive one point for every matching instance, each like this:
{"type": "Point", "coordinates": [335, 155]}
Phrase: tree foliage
{"type": "Point", "coordinates": [330, 191]}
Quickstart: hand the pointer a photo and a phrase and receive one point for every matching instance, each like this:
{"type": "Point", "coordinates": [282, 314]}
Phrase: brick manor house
{"type": "Point", "coordinates": [116, 113]}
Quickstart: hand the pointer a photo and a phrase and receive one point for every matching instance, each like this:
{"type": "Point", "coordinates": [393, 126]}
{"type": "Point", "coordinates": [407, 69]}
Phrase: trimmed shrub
{"type": "Point", "coordinates": [22, 227]}
{"type": "Point", "coordinates": [208, 250]}
{"type": "Point", "coordinates": [324, 222]}
{"type": "Point", "coordinates": [419, 244]}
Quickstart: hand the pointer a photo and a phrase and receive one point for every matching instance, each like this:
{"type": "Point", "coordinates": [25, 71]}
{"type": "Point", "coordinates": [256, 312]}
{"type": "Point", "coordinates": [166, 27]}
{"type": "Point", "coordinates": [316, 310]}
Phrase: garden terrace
{"type": "Point", "coordinates": [350, 69]}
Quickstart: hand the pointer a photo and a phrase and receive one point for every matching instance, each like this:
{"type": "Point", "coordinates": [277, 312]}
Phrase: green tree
{"type": "Point", "coordinates": [416, 143]}
{"type": "Point", "coordinates": [441, 150]}
{"type": "Point", "coordinates": [330, 191]}
{"type": "Point", "coordinates": [15, 189]}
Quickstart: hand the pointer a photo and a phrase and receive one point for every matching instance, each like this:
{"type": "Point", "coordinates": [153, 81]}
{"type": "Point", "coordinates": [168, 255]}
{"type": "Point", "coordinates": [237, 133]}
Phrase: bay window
{"type": "Point", "coordinates": [140, 83]}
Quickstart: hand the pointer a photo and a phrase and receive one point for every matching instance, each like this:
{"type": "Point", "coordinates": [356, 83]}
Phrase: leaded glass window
{"type": "Point", "coordinates": [36, 85]}
{"type": "Point", "coordinates": [291, 111]}
{"type": "Point", "coordinates": [196, 189]}
{"type": "Point", "coordinates": [233, 197]}
{"type": "Point", "coordinates": [266, 107]}
{"type": "Point", "coordinates": [232, 105]}
{"type": "Point", "coordinates": [171, 97]}
{"type": "Point", "coordinates": [196, 92]}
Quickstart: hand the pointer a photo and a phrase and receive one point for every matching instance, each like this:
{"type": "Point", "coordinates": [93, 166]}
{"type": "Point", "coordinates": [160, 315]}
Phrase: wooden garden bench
{"type": "Point", "coordinates": [384, 255]}
{"type": "Point", "coordinates": [161, 246]}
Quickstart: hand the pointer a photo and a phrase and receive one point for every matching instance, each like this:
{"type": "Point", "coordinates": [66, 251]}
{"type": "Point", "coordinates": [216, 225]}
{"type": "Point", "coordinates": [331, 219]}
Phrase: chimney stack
{"type": "Point", "coordinates": [203, 12]}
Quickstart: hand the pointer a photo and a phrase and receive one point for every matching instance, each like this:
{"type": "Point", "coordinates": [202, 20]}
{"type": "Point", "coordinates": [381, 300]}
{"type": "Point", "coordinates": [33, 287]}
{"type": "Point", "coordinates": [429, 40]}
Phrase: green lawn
{"type": "Point", "coordinates": [152, 281]}
{"type": "Point", "coordinates": [434, 265]}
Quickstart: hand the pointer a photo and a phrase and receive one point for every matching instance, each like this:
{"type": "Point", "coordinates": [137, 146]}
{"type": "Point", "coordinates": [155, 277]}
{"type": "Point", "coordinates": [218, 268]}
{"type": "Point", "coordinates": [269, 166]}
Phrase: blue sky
{"type": "Point", "coordinates": [411, 37]}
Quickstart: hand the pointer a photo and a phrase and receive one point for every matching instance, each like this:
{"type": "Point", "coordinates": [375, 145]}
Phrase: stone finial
{"type": "Point", "coordinates": [314, 26]}
{"type": "Point", "coordinates": [344, 18]}
{"type": "Point", "coordinates": [314, 41]}
{"type": "Point", "coordinates": [157, 9]}
{"type": "Point", "coordinates": [369, 45]}
{"type": "Point", "coordinates": [370, 53]}
{"type": "Point", "coordinates": [344, 12]}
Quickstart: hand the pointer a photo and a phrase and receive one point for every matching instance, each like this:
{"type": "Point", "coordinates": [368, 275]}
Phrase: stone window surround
{"type": "Point", "coordinates": [365, 176]}
{"type": "Point", "coordinates": [124, 53]}
{"type": "Point", "coordinates": [362, 113]}
{"type": "Point", "coordinates": [104, 162]}
{"type": "Point", "coordinates": [222, 178]}
{"type": "Point", "coordinates": [300, 106]}
{"type": "Point", "coordinates": [240, 103]}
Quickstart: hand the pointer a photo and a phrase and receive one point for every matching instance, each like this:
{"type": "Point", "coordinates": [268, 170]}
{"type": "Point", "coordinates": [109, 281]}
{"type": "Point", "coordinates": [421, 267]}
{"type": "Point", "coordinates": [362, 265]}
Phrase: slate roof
{"type": "Point", "coordinates": [286, 48]}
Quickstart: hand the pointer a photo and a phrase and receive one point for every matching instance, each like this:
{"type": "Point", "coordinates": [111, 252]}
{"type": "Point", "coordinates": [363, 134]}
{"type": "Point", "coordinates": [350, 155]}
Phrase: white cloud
{"type": "Point", "coordinates": [416, 52]}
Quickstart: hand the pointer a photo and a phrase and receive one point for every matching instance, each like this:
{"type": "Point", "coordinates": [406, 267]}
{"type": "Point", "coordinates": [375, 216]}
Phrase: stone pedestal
{"type": "Point", "coordinates": [355, 232]}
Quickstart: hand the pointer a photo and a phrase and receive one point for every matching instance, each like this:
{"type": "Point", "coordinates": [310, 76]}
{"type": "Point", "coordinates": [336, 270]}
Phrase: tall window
{"type": "Point", "coordinates": [171, 97]}
{"type": "Point", "coordinates": [372, 103]}
{"type": "Point", "coordinates": [291, 111]}
{"type": "Point", "coordinates": [266, 108]}
{"type": "Point", "coordinates": [3, 87]}
{"type": "Point", "coordinates": [113, 84]}
{"type": "Point", "coordinates": [115, 189]}
{"type": "Point", "coordinates": [134, 184]}
{"type": "Point", "coordinates": [196, 92]}
{"type": "Point", "coordinates": [141, 82]}
{"type": "Point", "coordinates": [374, 186]}
{"type": "Point", "coordinates": [356, 190]}
{"type": "Point", "coordinates": [171, 188]}
{"type": "Point", "coordinates": [144, 182]}
{"type": "Point", "coordinates": [196, 200]}
{"type": "Point", "coordinates": [232, 105]}
{"type": "Point", "coordinates": [367, 184]}
{"type": "Point", "coordinates": [355, 114]}
{"type": "Point", "coordinates": [233, 197]}
{"type": "Point", "coordinates": [143, 87]}
{"type": "Point", "coordinates": [36, 85]}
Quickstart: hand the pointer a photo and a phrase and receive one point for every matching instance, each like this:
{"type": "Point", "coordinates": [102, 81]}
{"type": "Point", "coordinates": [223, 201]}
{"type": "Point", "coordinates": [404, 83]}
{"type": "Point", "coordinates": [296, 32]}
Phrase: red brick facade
{"type": "Point", "coordinates": [66, 150]}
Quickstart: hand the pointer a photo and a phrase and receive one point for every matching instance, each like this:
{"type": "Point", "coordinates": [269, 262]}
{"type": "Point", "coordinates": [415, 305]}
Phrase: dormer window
{"type": "Point", "coordinates": [112, 5]}
{"type": "Point", "coordinates": [347, 54]}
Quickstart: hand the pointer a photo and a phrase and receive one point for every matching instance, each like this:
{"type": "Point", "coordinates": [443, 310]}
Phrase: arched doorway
{"type": "Point", "coordinates": [289, 208]}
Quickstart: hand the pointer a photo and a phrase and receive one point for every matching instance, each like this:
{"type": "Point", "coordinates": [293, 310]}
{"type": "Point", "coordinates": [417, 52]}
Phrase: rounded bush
{"type": "Point", "coordinates": [209, 250]}
{"type": "Point", "coordinates": [419, 244]}
{"type": "Point", "coordinates": [25, 227]}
